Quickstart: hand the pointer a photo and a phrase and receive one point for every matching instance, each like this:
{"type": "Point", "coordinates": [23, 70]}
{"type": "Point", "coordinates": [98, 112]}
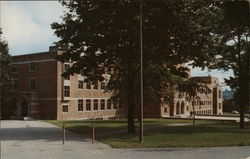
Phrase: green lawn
{"type": "Point", "coordinates": [159, 134]}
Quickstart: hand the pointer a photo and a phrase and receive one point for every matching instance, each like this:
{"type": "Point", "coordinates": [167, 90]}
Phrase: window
{"type": "Point", "coordinates": [219, 93]}
{"type": "Point", "coordinates": [108, 104]}
{"type": "Point", "coordinates": [66, 91]}
{"type": "Point", "coordinates": [88, 105]}
{"type": "Point", "coordinates": [65, 108]}
{"type": "Point", "coordinates": [219, 105]}
{"type": "Point", "coordinates": [80, 84]}
{"type": "Point", "coordinates": [102, 104]}
{"type": "Point", "coordinates": [187, 108]}
{"type": "Point", "coordinates": [96, 85]}
{"type": "Point", "coordinates": [32, 66]}
{"type": "Point", "coordinates": [80, 105]}
{"type": "Point", "coordinates": [32, 83]}
{"type": "Point", "coordinates": [14, 68]}
{"type": "Point", "coordinates": [165, 109]}
{"type": "Point", "coordinates": [115, 104]}
{"type": "Point", "coordinates": [88, 85]}
{"type": "Point", "coordinates": [95, 104]}
{"type": "Point", "coordinates": [102, 85]}
{"type": "Point", "coordinates": [14, 86]}
{"type": "Point", "coordinates": [66, 68]}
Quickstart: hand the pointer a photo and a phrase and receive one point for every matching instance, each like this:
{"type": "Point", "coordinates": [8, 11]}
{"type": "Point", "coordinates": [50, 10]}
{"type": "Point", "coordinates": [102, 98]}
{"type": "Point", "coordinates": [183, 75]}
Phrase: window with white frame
{"type": "Point", "coordinates": [80, 84]}
{"type": "Point", "coordinates": [109, 104]}
{"type": "Point", "coordinates": [102, 104]}
{"type": "Point", "coordinates": [32, 84]}
{"type": "Point", "coordinates": [66, 91]}
{"type": "Point", "coordinates": [80, 105]}
{"type": "Point", "coordinates": [65, 108]}
{"type": "Point", "coordinates": [88, 105]}
{"type": "Point", "coordinates": [32, 66]}
{"type": "Point", "coordinates": [95, 104]}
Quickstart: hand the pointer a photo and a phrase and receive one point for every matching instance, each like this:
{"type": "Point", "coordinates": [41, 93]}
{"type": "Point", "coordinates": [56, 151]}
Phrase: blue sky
{"type": "Point", "coordinates": [26, 27]}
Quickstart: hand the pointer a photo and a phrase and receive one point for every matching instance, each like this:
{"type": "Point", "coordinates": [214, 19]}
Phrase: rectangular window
{"type": "Point", "coordinates": [14, 68]}
{"type": "Point", "coordinates": [96, 85]}
{"type": "Point", "coordinates": [115, 103]}
{"type": "Point", "coordinates": [88, 85]}
{"type": "Point", "coordinates": [95, 104]}
{"type": "Point", "coordinates": [219, 93]}
{"type": "Point", "coordinates": [80, 105]}
{"type": "Point", "coordinates": [14, 86]}
{"type": "Point", "coordinates": [65, 69]}
{"type": "Point", "coordinates": [66, 91]}
{"type": "Point", "coordinates": [108, 104]}
{"type": "Point", "coordinates": [102, 85]}
{"type": "Point", "coordinates": [65, 108]}
{"type": "Point", "coordinates": [219, 105]}
{"type": "Point", "coordinates": [88, 105]}
{"type": "Point", "coordinates": [32, 83]}
{"type": "Point", "coordinates": [102, 104]}
{"type": "Point", "coordinates": [80, 84]}
{"type": "Point", "coordinates": [32, 66]}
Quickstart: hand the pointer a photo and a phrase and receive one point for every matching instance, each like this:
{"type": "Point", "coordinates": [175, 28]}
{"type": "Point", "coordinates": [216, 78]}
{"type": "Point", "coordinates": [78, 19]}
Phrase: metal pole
{"type": "Point", "coordinates": [93, 133]}
{"type": "Point", "coordinates": [63, 133]}
{"type": "Point", "coordinates": [141, 49]}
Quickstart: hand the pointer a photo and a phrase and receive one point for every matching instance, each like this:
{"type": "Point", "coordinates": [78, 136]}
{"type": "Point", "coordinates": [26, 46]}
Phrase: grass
{"type": "Point", "coordinates": [159, 134]}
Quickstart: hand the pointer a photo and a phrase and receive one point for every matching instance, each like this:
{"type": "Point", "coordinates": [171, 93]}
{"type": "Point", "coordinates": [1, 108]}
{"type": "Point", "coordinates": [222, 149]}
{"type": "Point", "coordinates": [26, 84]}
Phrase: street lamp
{"type": "Point", "coordinates": [141, 62]}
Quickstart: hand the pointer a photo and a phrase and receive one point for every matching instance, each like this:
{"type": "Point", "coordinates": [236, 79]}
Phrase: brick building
{"type": "Point", "coordinates": [41, 92]}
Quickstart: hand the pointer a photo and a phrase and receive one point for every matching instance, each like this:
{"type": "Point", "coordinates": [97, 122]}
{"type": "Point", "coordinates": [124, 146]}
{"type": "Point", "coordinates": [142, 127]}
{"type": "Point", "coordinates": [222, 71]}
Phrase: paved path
{"type": "Point", "coordinates": [237, 119]}
{"type": "Point", "coordinates": [38, 140]}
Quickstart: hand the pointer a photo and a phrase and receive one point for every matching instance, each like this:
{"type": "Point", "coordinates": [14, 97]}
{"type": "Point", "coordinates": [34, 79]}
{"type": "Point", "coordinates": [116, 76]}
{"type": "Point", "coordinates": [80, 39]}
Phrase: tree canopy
{"type": "Point", "coordinates": [5, 79]}
{"type": "Point", "coordinates": [106, 34]}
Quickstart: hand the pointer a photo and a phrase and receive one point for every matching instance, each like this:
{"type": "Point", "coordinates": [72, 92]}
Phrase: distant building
{"type": "Point", "coordinates": [41, 92]}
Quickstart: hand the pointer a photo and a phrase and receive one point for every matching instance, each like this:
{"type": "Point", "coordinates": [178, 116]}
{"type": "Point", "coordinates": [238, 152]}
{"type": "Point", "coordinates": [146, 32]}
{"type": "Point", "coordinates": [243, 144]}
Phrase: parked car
{"type": "Point", "coordinates": [234, 112]}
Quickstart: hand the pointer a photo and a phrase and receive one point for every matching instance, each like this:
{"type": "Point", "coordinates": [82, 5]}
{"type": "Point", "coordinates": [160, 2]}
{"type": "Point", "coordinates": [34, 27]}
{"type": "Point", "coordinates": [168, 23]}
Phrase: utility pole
{"type": "Point", "coordinates": [141, 106]}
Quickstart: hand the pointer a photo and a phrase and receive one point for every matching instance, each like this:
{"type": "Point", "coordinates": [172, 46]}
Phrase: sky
{"type": "Point", "coordinates": [26, 28]}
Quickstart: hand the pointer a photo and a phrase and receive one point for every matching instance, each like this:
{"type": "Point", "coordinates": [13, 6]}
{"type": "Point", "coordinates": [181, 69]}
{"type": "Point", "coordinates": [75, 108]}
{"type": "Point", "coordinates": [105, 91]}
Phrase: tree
{"type": "Point", "coordinates": [105, 34]}
{"type": "Point", "coordinates": [233, 52]}
{"type": "Point", "coordinates": [5, 79]}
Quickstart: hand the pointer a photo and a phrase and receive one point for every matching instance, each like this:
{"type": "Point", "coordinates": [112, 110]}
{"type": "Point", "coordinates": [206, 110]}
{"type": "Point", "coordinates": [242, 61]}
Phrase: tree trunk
{"type": "Point", "coordinates": [241, 84]}
{"type": "Point", "coordinates": [131, 104]}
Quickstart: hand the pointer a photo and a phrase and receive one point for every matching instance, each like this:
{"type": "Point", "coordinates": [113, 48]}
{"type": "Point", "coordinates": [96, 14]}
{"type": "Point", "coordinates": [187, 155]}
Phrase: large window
{"type": "Point", "coordinates": [32, 84]}
{"type": "Point", "coordinates": [14, 68]}
{"type": "Point", "coordinates": [108, 104]}
{"type": "Point", "coordinates": [102, 104]}
{"type": "Point", "coordinates": [88, 85]}
{"type": "Point", "coordinates": [88, 105]}
{"type": "Point", "coordinates": [66, 67]}
{"type": "Point", "coordinates": [219, 93]}
{"type": "Point", "coordinates": [80, 105]}
{"type": "Point", "coordinates": [65, 108]}
{"type": "Point", "coordinates": [32, 67]}
{"type": "Point", "coordinates": [66, 91]}
{"type": "Point", "coordinates": [115, 103]}
{"type": "Point", "coordinates": [95, 104]}
{"type": "Point", "coordinates": [80, 84]}
{"type": "Point", "coordinates": [96, 85]}
{"type": "Point", "coordinates": [14, 86]}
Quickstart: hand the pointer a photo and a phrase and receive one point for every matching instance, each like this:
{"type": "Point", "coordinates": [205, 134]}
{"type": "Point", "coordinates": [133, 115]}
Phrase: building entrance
{"type": "Point", "coordinates": [25, 108]}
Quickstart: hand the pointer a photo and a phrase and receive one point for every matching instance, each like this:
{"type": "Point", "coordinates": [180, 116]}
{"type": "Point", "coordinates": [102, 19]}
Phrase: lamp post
{"type": "Point", "coordinates": [141, 140]}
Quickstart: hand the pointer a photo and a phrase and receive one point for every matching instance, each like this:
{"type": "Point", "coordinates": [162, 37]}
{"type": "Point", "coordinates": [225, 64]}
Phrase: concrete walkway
{"type": "Point", "coordinates": [38, 140]}
{"type": "Point", "coordinates": [236, 119]}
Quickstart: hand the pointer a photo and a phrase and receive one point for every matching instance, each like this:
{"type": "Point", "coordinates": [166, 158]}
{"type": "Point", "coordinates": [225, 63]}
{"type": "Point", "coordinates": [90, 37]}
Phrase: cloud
{"type": "Point", "coordinates": [26, 24]}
